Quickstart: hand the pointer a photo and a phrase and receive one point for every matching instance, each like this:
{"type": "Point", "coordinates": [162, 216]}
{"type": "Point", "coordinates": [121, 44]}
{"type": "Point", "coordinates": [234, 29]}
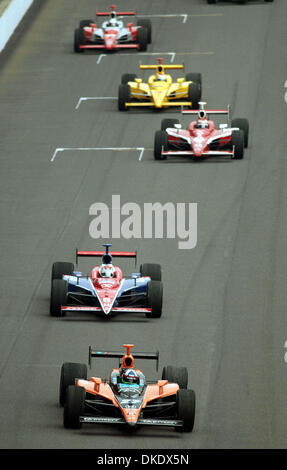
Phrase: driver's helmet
{"type": "Point", "coordinates": [161, 77]}
{"type": "Point", "coordinates": [113, 22]}
{"type": "Point", "coordinates": [107, 270]}
{"type": "Point", "coordinates": [130, 377]}
{"type": "Point", "coordinates": [202, 120]}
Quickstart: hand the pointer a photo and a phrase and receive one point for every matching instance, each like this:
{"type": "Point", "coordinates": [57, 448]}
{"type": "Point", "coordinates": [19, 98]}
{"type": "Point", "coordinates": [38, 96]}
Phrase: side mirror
{"type": "Point", "coordinates": [97, 381]}
{"type": "Point", "coordinates": [178, 126]}
{"type": "Point", "coordinates": [180, 80]}
{"type": "Point", "coordinates": [222, 126]}
{"type": "Point", "coordinates": [138, 80]}
{"type": "Point", "coordinates": [161, 384]}
{"type": "Point", "coordinates": [129, 25]}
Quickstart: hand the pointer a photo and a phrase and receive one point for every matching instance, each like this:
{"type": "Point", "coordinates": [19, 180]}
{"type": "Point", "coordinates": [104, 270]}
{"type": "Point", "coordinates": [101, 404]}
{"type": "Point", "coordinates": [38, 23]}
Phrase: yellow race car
{"type": "Point", "coordinates": [160, 91]}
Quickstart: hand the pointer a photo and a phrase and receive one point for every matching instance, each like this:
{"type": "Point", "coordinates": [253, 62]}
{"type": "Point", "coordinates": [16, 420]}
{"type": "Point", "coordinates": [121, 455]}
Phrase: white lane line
{"type": "Point", "coordinates": [184, 16]}
{"type": "Point", "coordinates": [115, 149]}
{"type": "Point", "coordinates": [100, 58]}
{"type": "Point", "coordinates": [171, 54]}
{"type": "Point", "coordinates": [86, 98]}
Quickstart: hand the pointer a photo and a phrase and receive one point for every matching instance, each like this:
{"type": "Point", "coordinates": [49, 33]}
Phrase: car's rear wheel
{"type": "Point", "coordinates": [145, 23]}
{"type": "Point", "coordinates": [152, 270]}
{"type": "Point", "coordinates": [178, 375]}
{"type": "Point", "coordinates": [61, 268]}
{"type": "Point", "coordinates": [185, 401]}
{"type": "Point", "coordinates": [69, 372]}
{"type": "Point", "coordinates": [237, 141]}
{"type": "Point", "coordinates": [74, 406]}
{"type": "Point", "coordinates": [124, 97]}
{"type": "Point", "coordinates": [165, 123]}
{"type": "Point", "coordinates": [59, 291]}
{"type": "Point", "coordinates": [84, 23]}
{"type": "Point", "coordinates": [142, 38]}
{"type": "Point", "coordinates": [160, 144]}
{"type": "Point", "coordinates": [79, 40]}
{"type": "Point", "coordinates": [128, 77]}
{"type": "Point", "coordinates": [243, 125]}
{"type": "Point", "coordinates": [194, 94]}
{"type": "Point", "coordinates": [154, 298]}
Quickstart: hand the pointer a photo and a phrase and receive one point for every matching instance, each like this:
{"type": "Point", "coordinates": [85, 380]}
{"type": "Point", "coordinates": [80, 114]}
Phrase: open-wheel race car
{"type": "Point", "coordinates": [202, 139]}
{"type": "Point", "coordinates": [113, 34]}
{"type": "Point", "coordinates": [160, 91]}
{"type": "Point", "coordinates": [126, 397]}
{"type": "Point", "coordinates": [105, 290]}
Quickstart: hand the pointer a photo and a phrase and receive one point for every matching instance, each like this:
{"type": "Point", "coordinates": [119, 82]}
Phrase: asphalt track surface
{"type": "Point", "coordinates": [224, 301]}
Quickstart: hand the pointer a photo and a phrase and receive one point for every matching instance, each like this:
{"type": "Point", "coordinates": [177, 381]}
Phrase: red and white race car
{"type": "Point", "coordinates": [113, 34]}
{"type": "Point", "coordinates": [202, 138]}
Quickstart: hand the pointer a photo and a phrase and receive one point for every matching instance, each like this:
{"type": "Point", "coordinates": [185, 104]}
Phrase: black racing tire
{"type": "Point", "coordinates": [74, 406]}
{"type": "Point", "coordinates": [165, 123]}
{"type": "Point", "coordinates": [124, 96]}
{"type": "Point", "coordinates": [196, 78]}
{"type": "Point", "coordinates": [152, 270]}
{"type": "Point", "coordinates": [84, 23]}
{"type": "Point", "coordinates": [178, 375]}
{"type": "Point", "coordinates": [61, 268]}
{"type": "Point", "coordinates": [160, 142]}
{"type": "Point", "coordinates": [69, 372]}
{"type": "Point", "coordinates": [237, 140]}
{"type": "Point", "coordinates": [146, 23]}
{"type": "Point", "coordinates": [268, 0]}
{"type": "Point", "coordinates": [185, 404]}
{"type": "Point", "coordinates": [154, 298]}
{"type": "Point", "coordinates": [79, 40]}
{"type": "Point", "coordinates": [211, 1]}
{"type": "Point", "coordinates": [194, 95]}
{"type": "Point", "coordinates": [128, 77]}
{"type": "Point", "coordinates": [59, 291]}
{"type": "Point", "coordinates": [142, 39]}
{"type": "Point", "coordinates": [243, 125]}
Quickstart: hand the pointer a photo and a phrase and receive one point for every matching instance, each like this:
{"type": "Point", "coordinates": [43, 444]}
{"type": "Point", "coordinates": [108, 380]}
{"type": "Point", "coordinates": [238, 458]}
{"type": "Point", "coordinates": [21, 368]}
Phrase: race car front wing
{"type": "Point", "coordinates": [99, 309]}
{"type": "Point", "coordinates": [140, 422]}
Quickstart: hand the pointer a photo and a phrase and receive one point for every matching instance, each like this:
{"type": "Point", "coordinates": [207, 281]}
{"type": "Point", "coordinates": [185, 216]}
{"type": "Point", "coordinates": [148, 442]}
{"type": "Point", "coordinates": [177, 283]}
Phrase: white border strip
{"type": "Point", "coordinates": [10, 19]}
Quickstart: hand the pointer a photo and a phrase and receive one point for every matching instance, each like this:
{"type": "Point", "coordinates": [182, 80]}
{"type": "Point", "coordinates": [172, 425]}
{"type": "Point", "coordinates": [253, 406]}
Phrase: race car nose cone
{"type": "Point", "coordinates": [132, 424]}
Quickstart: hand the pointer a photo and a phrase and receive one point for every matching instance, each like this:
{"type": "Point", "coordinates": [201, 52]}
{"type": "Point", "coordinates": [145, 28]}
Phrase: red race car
{"type": "Point", "coordinates": [113, 34]}
{"type": "Point", "coordinates": [126, 397]}
{"type": "Point", "coordinates": [202, 138]}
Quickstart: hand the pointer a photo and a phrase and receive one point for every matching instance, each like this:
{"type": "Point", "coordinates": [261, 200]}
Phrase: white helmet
{"type": "Point", "coordinates": [113, 22]}
{"type": "Point", "coordinates": [107, 270]}
{"type": "Point", "coordinates": [161, 77]}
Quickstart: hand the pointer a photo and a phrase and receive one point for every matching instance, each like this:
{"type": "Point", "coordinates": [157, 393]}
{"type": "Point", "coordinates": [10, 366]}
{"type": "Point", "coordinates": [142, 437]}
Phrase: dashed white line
{"type": "Point", "coordinates": [115, 149]}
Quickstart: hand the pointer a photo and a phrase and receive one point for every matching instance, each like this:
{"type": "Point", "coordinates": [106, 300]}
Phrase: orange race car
{"type": "Point", "coordinates": [126, 397]}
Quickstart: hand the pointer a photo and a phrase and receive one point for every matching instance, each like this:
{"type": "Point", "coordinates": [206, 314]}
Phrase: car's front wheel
{"type": "Point", "coordinates": [124, 97]}
{"type": "Point", "coordinates": [185, 401]}
{"type": "Point", "coordinates": [74, 406]}
{"type": "Point", "coordinates": [160, 144]}
{"type": "Point", "coordinates": [59, 291]}
{"type": "Point", "coordinates": [237, 141]}
{"type": "Point", "coordinates": [154, 298]}
{"type": "Point", "coordinates": [69, 372]}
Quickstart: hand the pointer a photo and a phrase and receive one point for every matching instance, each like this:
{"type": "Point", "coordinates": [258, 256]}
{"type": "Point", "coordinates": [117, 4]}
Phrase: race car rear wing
{"type": "Point", "coordinates": [94, 352]}
{"type": "Point", "coordinates": [108, 254]}
{"type": "Point", "coordinates": [226, 112]}
{"type": "Point", "coordinates": [164, 67]}
{"type": "Point", "coordinates": [117, 13]}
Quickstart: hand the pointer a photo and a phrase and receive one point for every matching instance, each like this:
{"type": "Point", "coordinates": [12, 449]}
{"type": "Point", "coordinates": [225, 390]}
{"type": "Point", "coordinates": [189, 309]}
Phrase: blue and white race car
{"type": "Point", "coordinates": [105, 290]}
